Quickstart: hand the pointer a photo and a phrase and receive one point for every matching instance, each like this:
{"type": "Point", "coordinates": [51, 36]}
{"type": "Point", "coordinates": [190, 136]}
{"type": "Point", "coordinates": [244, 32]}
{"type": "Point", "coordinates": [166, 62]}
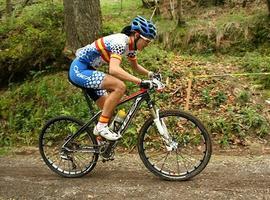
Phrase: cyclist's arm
{"type": "Point", "coordinates": [137, 67]}
{"type": "Point", "coordinates": [118, 72]}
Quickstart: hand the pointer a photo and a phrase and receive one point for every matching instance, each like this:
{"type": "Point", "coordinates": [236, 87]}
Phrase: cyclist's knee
{"type": "Point", "coordinates": [113, 84]}
{"type": "Point", "coordinates": [120, 87]}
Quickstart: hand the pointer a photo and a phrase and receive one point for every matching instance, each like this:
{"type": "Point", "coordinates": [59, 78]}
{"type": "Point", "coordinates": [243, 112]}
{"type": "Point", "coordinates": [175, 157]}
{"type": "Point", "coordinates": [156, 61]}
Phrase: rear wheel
{"type": "Point", "coordinates": [74, 161]}
{"type": "Point", "coordinates": [192, 146]}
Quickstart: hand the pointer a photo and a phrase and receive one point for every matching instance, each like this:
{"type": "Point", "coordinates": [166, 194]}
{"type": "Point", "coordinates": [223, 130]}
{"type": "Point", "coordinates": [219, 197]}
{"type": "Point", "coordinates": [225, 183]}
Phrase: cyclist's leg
{"type": "Point", "coordinates": [100, 101]}
{"type": "Point", "coordinates": [98, 81]}
{"type": "Point", "coordinates": [81, 76]}
{"type": "Point", "coordinates": [117, 89]}
{"type": "Point", "coordinates": [98, 96]}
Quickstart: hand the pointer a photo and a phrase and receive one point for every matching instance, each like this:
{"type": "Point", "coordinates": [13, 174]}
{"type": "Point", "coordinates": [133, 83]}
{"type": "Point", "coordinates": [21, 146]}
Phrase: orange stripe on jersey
{"type": "Point", "coordinates": [102, 50]}
{"type": "Point", "coordinates": [116, 56]}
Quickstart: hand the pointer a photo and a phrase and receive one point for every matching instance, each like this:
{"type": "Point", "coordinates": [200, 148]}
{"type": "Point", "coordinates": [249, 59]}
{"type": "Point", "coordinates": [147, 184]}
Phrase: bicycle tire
{"type": "Point", "coordinates": [146, 139]}
{"type": "Point", "coordinates": [47, 157]}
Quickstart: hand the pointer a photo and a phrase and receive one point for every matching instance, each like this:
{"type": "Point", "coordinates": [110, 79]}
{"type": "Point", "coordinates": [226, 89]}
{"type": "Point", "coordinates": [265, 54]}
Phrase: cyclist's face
{"type": "Point", "coordinates": [142, 43]}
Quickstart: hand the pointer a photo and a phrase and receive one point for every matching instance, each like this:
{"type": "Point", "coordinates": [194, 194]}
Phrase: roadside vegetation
{"type": "Point", "coordinates": [214, 41]}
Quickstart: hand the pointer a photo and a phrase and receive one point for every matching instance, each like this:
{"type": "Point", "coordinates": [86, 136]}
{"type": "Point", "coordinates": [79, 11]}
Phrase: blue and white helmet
{"type": "Point", "coordinates": [145, 27]}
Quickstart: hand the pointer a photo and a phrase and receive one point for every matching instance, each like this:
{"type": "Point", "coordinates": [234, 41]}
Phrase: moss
{"type": "Point", "coordinates": [31, 41]}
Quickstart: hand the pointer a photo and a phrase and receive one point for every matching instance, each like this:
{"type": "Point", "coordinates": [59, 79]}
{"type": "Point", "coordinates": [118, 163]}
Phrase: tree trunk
{"type": "Point", "coordinates": [244, 4]}
{"type": "Point", "coordinates": [172, 8]}
{"type": "Point", "coordinates": [157, 12]}
{"type": "Point", "coordinates": [82, 22]}
{"type": "Point", "coordinates": [268, 4]}
{"type": "Point", "coordinates": [168, 9]}
{"type": "Point", "coordinates": [148, 3]}
{"type": "Point", "coordinates": [181, 21]}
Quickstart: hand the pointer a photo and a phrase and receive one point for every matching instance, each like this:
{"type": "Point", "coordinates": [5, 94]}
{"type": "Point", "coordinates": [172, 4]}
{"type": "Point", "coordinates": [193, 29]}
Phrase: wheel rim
{"type": "Point", "coordinates": [72, 162]}
{"type": "Point", "coordinates": [184, 160]}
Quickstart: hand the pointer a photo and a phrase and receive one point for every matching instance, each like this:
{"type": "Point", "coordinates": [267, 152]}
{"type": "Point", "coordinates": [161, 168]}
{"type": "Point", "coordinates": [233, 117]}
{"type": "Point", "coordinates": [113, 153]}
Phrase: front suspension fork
{"type": "Point", "coordinates": [162, 129]}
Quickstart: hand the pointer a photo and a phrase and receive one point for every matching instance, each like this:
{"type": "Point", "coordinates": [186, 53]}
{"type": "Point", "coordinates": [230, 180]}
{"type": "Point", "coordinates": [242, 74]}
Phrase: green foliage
{"type": "Point", "coordinates": [255, 62]}
{"type": "Point", "coordinates": [154, 58]}
{"type": "Point", "coordinates": [31, 40]}
{"type": "Point", "coordinates": [206, 96]}
{"type": "Point", "coordinates": [213, 100]}
{"type": "Point", "coordinates": [233, 33]}
{"type": "Point", "coordinates": [261, 30]}
{"type": "Point", "coordinates": [243, 97]}
{"type": "Point", "coordinates": [24, 109]}
{"type": "Point", "coordinates": [130, 138]}
{"type": "Point", "coordinates": [238, 122]}
{"type": "Point", "coordinates": [115, 18]}
{"type": "Point", "coordinates": [4, 151]}
{"type": "Point", "coordinates": [219, 98]}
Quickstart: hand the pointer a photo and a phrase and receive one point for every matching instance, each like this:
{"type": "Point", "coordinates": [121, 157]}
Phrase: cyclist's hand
{"type": "Point", "coordinates": [146, 84]}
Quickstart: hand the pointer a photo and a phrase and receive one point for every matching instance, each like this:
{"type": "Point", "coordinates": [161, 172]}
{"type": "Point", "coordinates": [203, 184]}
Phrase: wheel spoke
{"type": "Point", "coordinates": [182, 160]}
{"type": "Point", "coordinates": [164, 160]}
{"type": "Point", "coordinates": [177, 162]}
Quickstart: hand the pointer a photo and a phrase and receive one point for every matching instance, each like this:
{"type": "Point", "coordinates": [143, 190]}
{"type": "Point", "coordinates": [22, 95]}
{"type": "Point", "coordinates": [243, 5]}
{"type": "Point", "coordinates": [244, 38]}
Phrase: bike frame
{"type": "Point", "coordinates": [140, 96]}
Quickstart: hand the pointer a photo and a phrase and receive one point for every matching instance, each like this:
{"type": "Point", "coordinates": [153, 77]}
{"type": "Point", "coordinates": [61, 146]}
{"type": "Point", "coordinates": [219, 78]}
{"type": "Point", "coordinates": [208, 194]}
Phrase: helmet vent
{"type": "Point", "coordinates": [144, 29]}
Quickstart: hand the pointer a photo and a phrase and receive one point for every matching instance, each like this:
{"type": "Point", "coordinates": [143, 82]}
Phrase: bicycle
{"type": "Point", "coordinates": [172, 144]}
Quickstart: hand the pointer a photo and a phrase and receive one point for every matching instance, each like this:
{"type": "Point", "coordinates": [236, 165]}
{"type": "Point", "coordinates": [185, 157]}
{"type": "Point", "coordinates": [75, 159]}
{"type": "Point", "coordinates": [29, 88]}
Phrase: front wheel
{"type": "Point", "coordinates": [192, 146]}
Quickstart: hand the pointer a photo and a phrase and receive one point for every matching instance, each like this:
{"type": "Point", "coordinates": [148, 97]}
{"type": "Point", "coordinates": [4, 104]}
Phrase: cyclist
{"type": "Point", "coordinates": [110, 49]}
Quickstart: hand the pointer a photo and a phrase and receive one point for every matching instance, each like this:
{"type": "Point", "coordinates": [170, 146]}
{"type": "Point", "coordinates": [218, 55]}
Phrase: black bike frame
{"type": "Point", "coordinates": [140, 96]}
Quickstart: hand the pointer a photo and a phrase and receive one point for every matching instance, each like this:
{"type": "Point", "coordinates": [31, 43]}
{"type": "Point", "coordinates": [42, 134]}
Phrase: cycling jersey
{"type": "Point", "coordinates": [100, 51]}
{"type": "Point", "coordinates": [83, 72]}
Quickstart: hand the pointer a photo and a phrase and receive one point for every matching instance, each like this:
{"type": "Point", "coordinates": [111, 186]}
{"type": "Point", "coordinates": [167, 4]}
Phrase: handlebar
{"type": "Point", "coordinates": [154, 83]}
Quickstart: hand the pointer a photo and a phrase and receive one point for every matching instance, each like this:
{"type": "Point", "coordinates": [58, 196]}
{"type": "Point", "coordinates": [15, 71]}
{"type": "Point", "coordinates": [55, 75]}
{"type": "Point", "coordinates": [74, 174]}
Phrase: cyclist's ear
{"type": "Point", "coordinates": [137, 35]}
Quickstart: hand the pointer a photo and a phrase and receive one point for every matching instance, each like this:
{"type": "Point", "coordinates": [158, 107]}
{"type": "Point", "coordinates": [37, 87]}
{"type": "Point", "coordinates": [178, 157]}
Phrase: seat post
{"type": "Point", "coordinates": [89, 101]}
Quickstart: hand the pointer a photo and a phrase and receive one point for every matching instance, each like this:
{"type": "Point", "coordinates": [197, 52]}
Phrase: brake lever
{"type": "Point", "coordinates": [157, 76]}
{"type": "Point", "coordinates": [158, 85]}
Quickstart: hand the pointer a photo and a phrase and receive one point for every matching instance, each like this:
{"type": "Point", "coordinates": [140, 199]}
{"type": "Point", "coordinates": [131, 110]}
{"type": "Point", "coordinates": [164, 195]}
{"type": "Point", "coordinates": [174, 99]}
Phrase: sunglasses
{"type": "Point", "coordinates": [145, 39]}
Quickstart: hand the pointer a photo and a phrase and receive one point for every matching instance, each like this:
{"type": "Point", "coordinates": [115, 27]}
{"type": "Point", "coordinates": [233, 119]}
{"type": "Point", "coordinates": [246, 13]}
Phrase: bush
{"type": "Point", "coordinates": [234, 34]}
{"type": "Point", "coordinates": [30, 41]}
{"type": "Point", "coordinates": [25, 108]}
{"type": "Point", "coordinates": [238, 123]}
{"type": "Point", "coordinates": [257, 63]}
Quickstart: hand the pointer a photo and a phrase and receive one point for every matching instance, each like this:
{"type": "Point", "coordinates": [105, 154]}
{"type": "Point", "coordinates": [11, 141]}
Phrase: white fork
{"type": "Point", "coordinates": [163, 131]}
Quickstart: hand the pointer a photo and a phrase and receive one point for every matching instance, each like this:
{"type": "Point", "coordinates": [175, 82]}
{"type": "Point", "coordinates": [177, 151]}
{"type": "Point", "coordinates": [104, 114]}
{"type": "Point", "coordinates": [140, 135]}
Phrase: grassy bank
{"type": "Point", "coordinates": [218, 41]}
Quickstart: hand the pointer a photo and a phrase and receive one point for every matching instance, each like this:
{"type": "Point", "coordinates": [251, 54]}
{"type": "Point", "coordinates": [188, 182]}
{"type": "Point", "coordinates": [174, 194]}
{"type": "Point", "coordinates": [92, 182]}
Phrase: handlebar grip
{"type": "Point", "coordinates": [146, 84]}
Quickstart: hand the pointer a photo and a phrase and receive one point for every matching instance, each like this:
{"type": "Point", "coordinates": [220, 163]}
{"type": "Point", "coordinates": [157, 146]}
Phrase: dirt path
{"type": "Point", "coordinates": [226, 177]}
